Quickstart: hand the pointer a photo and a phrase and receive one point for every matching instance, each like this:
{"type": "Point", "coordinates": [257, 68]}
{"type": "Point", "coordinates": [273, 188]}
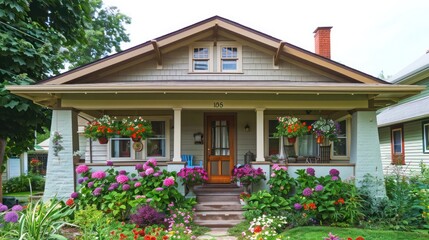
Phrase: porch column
{"type": "Point", "coordinates": [177, 135]}
{"type": "Point", "coordinates": [365, 149]}
{"type": "Point", "coordinates": [60, 169]}
{"type": "Point", "coordinates": [260, 135]}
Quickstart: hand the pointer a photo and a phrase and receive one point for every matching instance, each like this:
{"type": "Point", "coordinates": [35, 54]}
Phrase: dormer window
{"type": "Point", "coordinates": [201, 55]}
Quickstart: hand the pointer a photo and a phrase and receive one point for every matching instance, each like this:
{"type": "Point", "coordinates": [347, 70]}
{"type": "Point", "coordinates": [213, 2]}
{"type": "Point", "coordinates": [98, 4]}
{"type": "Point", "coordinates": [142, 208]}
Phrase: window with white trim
{"type": "Point", "coordinates": [201, 58]}
{"type": "Point", "coordinates": [156, 146]}
{"type": "Point", "coordinates": [340, 148]}
{"type": "Point", "coordinates": [229, 57]}
{"type": "Point", "coordinates": [397, 145]}
{"type": "Point", "coordinates": [425, 137]}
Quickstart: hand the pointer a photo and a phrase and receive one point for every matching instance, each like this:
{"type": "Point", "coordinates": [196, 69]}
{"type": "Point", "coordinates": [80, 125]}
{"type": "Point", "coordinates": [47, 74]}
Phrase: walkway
{"type": "Point", "coordinates": [217, 234]}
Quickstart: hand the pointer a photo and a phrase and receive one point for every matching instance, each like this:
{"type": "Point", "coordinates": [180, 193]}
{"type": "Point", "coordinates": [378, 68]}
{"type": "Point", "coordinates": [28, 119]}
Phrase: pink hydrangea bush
{"type": "Point", "coordinates": [193, 176]}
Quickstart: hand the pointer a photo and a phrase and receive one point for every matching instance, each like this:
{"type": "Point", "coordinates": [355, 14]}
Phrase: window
{"type": "Point", "coordinates": [273, 142]}
{"type": "Point", "coordinates": [340, 147]}
{"type": "Point", "coordinates": [156, 146]}
{"type": "Point", "coordinates": [229, 57]}
{"type": "Point", "coordinates": [201, 58]}
{"type": "Point", "coordinates": [426, 137]}
{"type": "Point", "coordinates": [397, 145]}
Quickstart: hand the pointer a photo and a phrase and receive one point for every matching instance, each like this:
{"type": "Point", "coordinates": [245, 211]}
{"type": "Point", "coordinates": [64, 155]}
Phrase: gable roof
{"type": "Point", "coordinates": [416, 71]}
{"type": "Point", "coordinates": [212, 26]}
{"type": "Point", "coordinates": [349, 81]}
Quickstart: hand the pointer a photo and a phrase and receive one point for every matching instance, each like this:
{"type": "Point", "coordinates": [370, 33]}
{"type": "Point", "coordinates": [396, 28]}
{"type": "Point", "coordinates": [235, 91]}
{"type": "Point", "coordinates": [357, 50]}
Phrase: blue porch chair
{"type": "Point", "coordinates": [189, 159]}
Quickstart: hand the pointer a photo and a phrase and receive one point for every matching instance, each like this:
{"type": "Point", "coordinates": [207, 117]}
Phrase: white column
{"type": "Point", "coordinates": [260, 135]}
{"type": "Point", "coordinates": [177, 135]}
{"type": "Point", "coordinates": [365, 149]}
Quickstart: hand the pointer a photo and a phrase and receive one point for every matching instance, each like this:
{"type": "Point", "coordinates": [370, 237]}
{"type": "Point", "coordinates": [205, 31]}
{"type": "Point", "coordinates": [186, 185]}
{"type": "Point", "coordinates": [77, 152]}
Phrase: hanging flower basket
{"type": "Point", "coordinates": [325, 130]}
{"type": "Point", "coordinates": [291, 140]}
{"type": "Point", "coordinates": [103, 140]}
{"type": "Point", "coordinates": [291, 127]}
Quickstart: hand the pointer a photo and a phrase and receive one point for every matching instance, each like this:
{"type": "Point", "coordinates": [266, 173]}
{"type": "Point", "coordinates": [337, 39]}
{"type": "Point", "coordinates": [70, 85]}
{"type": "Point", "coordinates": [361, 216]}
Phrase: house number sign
{"type": "Point", "coordinates": [218, 104]}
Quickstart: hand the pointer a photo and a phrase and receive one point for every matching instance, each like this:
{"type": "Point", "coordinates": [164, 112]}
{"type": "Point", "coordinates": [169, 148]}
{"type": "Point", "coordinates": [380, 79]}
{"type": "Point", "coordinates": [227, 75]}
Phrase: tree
{"type": "Point", "coordinates": [33, 37]}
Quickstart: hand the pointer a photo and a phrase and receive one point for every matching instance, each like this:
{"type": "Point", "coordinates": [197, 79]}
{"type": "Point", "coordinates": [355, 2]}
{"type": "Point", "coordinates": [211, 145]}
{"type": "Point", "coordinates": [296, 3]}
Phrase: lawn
{"type": "Point", "coordinates": [306, 233]}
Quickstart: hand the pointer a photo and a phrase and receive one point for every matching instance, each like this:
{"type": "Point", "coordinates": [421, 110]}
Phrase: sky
{"type": "Point", "coordinates": [369, 35]}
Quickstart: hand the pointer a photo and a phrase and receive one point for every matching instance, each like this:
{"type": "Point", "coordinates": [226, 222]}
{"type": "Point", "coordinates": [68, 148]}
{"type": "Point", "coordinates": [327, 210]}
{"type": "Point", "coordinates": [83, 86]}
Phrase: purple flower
{"type": "Point", "coordinates": [122, 172]}
{"type": "Point", "coordinates": [139, 166]}
{"type": "Point", "coordinates": [3, 208]}
{"type": "Point", "coordinates": [113, 186]}
{"type": "Point", "coordinates": [159, 189]}
{"type": "Point", "coordinates": [74, 195]}
{"type": "Point", "coordinates": [109, 163]}
{"type": "Point", "coordinates": [310, 171]}
{"type": "Point", "coordinates": [11, 217]}
{"type": "Point", "coordinates": [168, 181]}
{"type": "Point", "coordinates": [125, 187]}
{"type": "Point", "coordinates": [307, 192]}
{"type": "Point", "coordinates": [334, 178]}
{"type": "Point", "coordinates": [142, 174]}
{"type": "Point", "coordinates": [157, 174]}
{"type": "Point", "coordinates": [137, 184]}
{"type": "Point", "coordinates": [17, 208]}
{"type": "Point", "coordinates": [97, 192]}
{"type": "Point", "coordinates": [318, 188]}
{"type": "Point", "coordinates": [81, 180]}
{"type": "Point", "coordinates": [98, 175]}
{"type": "Point", "coordinates": [297, 206]}
{"type": "Point", "coordinates": [90, 184]}
{"type": "Point", "coordinates": [82, 169]}
{"type": "Point", "coordinates": [122, 178]}
{"type": "Point", "coordinates": [149, 171]}
{"type": "Point", "coordinates": [334, 172]}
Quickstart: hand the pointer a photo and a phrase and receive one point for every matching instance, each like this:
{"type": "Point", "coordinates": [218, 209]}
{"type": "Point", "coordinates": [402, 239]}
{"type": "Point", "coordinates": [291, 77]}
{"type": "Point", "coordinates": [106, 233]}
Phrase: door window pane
{"type": "Point", "coordinates": [220, 138]}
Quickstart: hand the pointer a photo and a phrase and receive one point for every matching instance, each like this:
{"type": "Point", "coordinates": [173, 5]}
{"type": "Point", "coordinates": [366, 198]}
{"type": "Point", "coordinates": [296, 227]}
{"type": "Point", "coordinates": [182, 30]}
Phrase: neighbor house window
{"type": "Point", "coordinates": [201, 58]}
{"type": "Point", "coordinates": [340, 146]}
{"type": "Point", "coordinates": [426, 137]}
{"type": "Point", "coordinates": [397, 145]}
{"type": "Point", "coordinates": [155, 146]}
{"type": "Point", "coordinates": [229, 55]}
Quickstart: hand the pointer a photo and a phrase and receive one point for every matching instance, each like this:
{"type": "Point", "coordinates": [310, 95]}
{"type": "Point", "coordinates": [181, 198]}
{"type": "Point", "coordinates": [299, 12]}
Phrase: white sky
{"type": "Point", "coordinates": [368, 35]}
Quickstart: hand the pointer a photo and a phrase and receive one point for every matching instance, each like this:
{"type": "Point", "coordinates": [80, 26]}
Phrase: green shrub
{"type": "Point", "coordinates": [262, 202]}
{"type": "Point", "coordinates": [22, 183]}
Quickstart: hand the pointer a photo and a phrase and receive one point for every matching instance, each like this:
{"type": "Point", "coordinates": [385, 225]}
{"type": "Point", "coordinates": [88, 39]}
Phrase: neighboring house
{"type": "Point", "coordinates": [226, 81]}
{"type": "Point", "coordinates": [404, 127]}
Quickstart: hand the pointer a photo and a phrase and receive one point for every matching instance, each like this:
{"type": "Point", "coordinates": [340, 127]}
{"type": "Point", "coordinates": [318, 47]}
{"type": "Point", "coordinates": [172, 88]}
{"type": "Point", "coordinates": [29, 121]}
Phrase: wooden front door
{"type": "Point", "coordinates": [220, 145]}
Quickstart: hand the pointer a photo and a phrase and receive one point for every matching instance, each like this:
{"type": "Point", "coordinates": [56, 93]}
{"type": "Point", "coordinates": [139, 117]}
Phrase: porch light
{"type": "Point", "coordinates": [198, 138]}
{"type": "Point", "coordinates": [246, 128]}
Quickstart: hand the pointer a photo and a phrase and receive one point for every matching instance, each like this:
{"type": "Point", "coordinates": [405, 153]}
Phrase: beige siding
{"type": "Point", "coordinates": [99, 152]}
{"type": "Point", "coordinates": [192, 122]}
{"type": "Point", "coordinates": [246, 141]}
{"type": "Point", "coordinates": [413, 148]}
{"type": "Point", "coordinates": [256, 65]}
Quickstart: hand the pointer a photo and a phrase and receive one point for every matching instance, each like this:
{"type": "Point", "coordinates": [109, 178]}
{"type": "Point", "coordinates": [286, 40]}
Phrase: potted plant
{"type": "Point", "coordinates": [101, 129]}
{"type": "Point", "coordinates": [192, 177]}
{"type": "Point", "coordinates": [325, 130]}
{"type": "Point", "coordinates": [291, 127]}
{"type": "Point", "coordinates": [137, 128]}
{"type": "Point", "coordinates": [247, 175]}
{"type": "Point", "coordinates": [244, 196]}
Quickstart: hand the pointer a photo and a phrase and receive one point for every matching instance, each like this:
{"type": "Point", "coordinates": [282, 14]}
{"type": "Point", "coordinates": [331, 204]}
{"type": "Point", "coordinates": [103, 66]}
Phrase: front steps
{"type": "Point", "coordinates": [218, 205]}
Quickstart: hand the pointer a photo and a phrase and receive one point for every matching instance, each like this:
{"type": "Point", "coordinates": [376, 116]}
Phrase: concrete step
{"type": "Point", "coordinates": [219, 206]}
{"type": "Point", "coordinates": [217, 224]}
{"type": "Point", "coordinates": [219, 215]}
{"type": "Point", "coordinates": [201, 198]}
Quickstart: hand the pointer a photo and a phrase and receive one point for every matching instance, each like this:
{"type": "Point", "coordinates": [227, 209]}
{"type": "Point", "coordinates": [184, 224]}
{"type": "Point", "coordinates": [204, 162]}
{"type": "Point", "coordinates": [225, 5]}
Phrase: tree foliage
{"type": "Point", "coordinates": [37, 39]}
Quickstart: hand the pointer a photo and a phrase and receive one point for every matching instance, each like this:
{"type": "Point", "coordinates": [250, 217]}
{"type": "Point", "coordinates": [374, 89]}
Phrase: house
{"type": "Point", "coordinates": [225, 83]}
{"type": "Point", "coordinates": [404, 127]}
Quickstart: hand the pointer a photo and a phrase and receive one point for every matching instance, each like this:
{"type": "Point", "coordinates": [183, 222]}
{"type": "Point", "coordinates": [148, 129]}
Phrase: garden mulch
{"type": "Point", "coordinates": [217, 234]}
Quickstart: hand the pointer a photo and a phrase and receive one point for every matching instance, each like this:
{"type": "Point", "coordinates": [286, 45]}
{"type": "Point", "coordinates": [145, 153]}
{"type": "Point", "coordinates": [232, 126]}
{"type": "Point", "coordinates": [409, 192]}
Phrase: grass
{"type": "Point", "coordinates": [304, 233]}
{"type": "Point", "coordinates": [20, 194]}
{"type": "Point", "coordinates": [310, 233]}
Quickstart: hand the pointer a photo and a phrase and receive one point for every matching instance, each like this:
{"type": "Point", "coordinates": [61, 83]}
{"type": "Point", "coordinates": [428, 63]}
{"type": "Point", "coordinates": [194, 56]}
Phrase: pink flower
{"type": "Point", "coordinates": [122, 178]}
{"type": "Point", "coordinates": [149, 171]}
{"type": "Point", "coordinates": [169, 181]}
{"type": "Point", "coordinates": [82, 169]}
{"type": "Point", "coordinates": [137, 184]}
{"type": "Point", "coordinates": [98, 175]}
{"type": "Point", "coordinates": [159, 189]}
{"type": "Point", "coordinates": [109, 163]}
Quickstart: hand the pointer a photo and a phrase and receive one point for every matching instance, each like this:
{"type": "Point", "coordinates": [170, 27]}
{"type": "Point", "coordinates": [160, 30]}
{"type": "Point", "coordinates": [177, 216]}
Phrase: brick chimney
{"type": "Point", "coordinates": [322, 41]}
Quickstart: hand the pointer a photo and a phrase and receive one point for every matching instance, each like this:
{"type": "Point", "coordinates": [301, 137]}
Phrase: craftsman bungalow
{"type": "Point", "coordinates": [213, 90]}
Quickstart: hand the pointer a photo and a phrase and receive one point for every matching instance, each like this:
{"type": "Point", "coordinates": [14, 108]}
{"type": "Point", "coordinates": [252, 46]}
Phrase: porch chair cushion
{"type": "Point", "coordinates": [189, 159]}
